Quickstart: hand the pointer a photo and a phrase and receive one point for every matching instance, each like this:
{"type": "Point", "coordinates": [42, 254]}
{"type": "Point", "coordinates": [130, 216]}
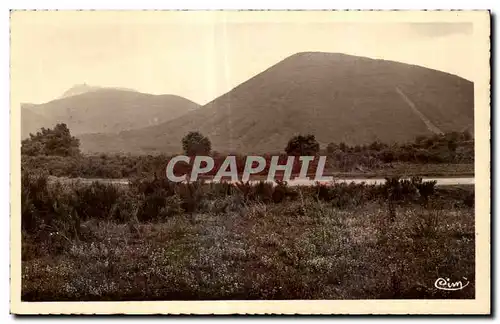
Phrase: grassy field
{"type": "Point", "coordinates": [346, 242]}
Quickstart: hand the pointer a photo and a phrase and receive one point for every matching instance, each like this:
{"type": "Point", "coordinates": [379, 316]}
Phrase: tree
{"type": "Point", "coordinates": [194, 143]}
{"type": "Point", "coordinates": [57, 141]}
{"type": "Point", "coordinates": [302, 146]}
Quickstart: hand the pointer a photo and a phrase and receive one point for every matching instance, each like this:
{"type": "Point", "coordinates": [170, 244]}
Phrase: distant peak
{"type": "Point", "coordinates": [82, 88]}
{"type": "Point", "coordinates": [331, 55]}
{"type": "Point", "coordinates": [311, 53]}
{"type": "Point", "coordinates": [79, 89]}
{"type": "Point", "coordinates": [321, 58]}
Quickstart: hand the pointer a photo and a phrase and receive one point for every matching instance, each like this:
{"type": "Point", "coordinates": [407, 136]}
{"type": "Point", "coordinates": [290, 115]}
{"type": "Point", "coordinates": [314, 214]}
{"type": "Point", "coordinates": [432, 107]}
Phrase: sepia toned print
{"type": "Point", "coordinates": [250, 162]}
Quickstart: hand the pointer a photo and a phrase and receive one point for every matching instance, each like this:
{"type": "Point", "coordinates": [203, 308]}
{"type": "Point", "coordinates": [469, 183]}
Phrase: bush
{"type": "Point", "coordinates": [160, 198]}
{"type": "Point", "coordinates": [97, 200]}
{"type": "Point", "coordinates": [398, 189]}
{"type": "Point", "coordinates": [48, 216]}
{"type": "Point", "coordinates": [344, 195]}
{"type": "Point", "coordinates": [191, 196]}
{"type": "Point", "coordinates": [425, 189]}
{"type": "Point", "coordinates": [54, 207]}
{"type": "Point", "coordinates": [126, 208]}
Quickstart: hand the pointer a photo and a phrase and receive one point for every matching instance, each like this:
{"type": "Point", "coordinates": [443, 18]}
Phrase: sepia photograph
{"type": "Point", "coordinates": [250, 161]}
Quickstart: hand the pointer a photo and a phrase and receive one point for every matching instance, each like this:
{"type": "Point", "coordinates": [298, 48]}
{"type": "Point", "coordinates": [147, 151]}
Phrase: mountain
{"type": "Point", "coordinates": [337, 97]}
{"type": "Point", "coordinates": [105, 110]}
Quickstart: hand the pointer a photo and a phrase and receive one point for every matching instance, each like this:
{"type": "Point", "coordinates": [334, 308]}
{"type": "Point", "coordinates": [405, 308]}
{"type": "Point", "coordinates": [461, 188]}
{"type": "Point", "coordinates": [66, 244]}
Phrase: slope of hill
{"type": "Point", "coordinates": [31, 121]}
{"type": "Point", "coordinates": [105, 111]}
{"type": "Point", "coordinates": [337, 97]}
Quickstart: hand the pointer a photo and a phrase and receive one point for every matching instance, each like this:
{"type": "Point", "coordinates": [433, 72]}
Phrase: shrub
{"type": "Point", "coordinates": [408, 190]}
{"type": "Point", "coordinates": [159, 197]}
{"type": "Point", "coordinates": [48, 216]}
{"type": "Point", "coordinates": [425, 189]}
{"type": "Point", "coordinates": [151, 195]}
{"type": "Point", "coordinates": [323, 192]}
{"type": "Point", "coordinates": [191, 195]}
{"type": "Point", "coordinates": [57, 208]}
{"type": "Point", "coordinates": [219, 190]}
{"type": "Point", "coordinates": [344, 195]}
{"type": "Point", "coordinates": [126, 208]}
{"type": "Point", "coordinates": [261, 191]}
{"type": "Point", "coordinates": [96, 200]}
{"type": "Point", "coordinates": [282, 192]}
{"type": "Point", "coordinates": [34, 196]}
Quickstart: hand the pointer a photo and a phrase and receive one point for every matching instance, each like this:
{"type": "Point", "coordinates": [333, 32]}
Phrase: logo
{"type": "Point", "coordinates": [446, 284]}
{"type": "Point", "coordinates": [252, 165]}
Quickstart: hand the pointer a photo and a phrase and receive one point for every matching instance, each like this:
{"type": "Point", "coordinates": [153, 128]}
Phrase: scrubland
{"type": "Point", "coordinates": [156, 240]}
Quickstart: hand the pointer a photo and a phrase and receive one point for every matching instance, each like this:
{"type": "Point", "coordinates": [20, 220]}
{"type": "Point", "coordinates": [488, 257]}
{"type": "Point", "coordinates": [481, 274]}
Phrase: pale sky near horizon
{"type": "Point", "coordinates": [200, 59]}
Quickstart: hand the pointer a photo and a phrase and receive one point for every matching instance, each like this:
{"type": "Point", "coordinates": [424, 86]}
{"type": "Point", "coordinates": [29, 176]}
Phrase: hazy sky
{"type": "Point", "coordinates": [202, 57]}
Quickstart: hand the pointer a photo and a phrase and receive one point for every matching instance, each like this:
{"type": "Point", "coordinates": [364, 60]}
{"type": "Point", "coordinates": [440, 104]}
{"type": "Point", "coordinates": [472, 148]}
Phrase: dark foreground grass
{"type": "Point", "coordinates": [302, 249]}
